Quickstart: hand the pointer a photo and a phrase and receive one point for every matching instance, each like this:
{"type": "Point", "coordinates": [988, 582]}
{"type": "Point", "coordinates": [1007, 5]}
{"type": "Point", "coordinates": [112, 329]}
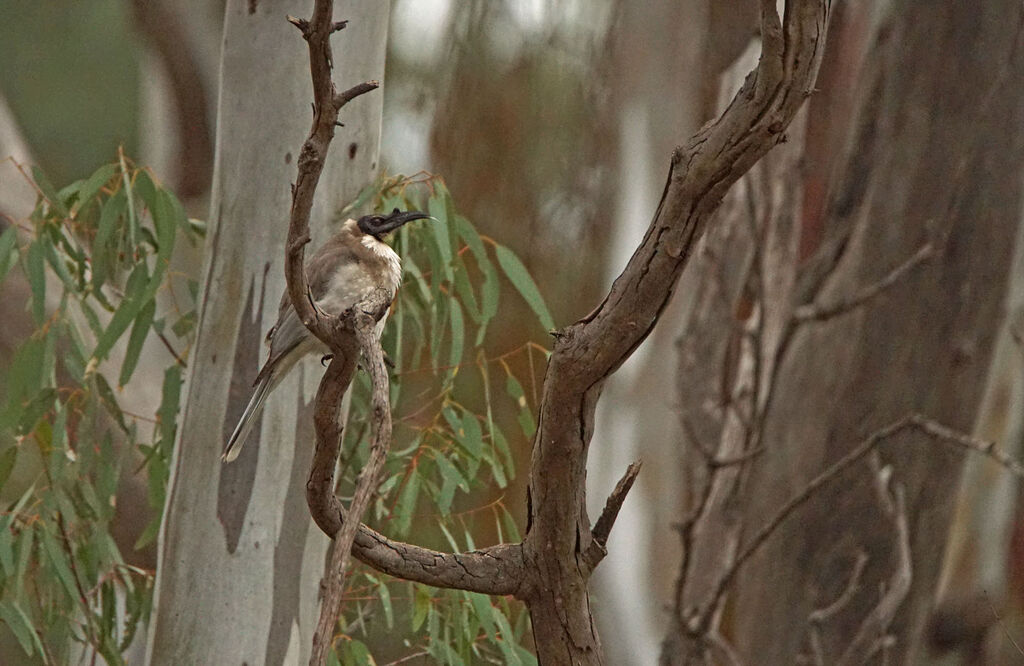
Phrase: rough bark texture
{"type": "Point", "coordinates": [240, 562]}
{"type": "Point", "coordinates": [326, 419]}
{"type": "Point", "coordinates": [906, 280]}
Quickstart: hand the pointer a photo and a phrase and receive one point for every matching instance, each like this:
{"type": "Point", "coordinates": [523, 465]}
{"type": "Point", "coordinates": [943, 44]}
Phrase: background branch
{"type": "Point", "coordinates": [916, 422]}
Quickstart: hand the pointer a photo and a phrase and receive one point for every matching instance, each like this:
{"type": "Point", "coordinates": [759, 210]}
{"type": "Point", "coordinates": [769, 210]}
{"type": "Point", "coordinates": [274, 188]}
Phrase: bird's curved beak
{"type": "Point", "coordinates": [397, 218]}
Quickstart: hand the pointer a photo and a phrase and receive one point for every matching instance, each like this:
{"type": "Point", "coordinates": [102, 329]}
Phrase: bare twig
{"type": "Point", "coordinates": [599, 544]}
{"type": "Point", "coordinates": [1006, 630]}
{"type": "Point", "coordinates": [824, 312]}
{"type": "Point", "coordinates": [713, 460]}
{"type": "Point", "coordinates": [408, 657]}
{"type": "Point", "coordinates": [822, 615]}
{"type": "Point", "coordinates": [873, 636]}
{"type": "Point", "coordinates": [728, 653]}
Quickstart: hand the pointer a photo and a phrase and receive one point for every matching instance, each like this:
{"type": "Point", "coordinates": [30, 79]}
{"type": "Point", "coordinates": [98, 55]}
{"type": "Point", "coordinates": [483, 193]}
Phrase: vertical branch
{"type": "Point", "coordinates": [319, 488]}
{"type": "Point", "coordinates": [326, 456]}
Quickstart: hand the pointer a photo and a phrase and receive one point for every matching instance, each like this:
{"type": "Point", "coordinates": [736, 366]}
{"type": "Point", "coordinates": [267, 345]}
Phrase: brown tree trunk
{"type": "Point", "coordinates": [922, 215]}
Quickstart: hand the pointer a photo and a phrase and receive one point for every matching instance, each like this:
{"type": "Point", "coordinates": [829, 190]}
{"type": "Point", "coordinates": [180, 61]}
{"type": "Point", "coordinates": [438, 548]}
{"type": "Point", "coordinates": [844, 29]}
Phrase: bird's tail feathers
{"type": "Point", "coordinates": [249, 417]}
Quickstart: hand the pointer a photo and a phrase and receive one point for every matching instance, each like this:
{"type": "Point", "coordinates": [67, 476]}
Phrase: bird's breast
{"type": "Point", "coordinates": [354, 280]}
{"type": "Point", "coordinates": [386, 261]}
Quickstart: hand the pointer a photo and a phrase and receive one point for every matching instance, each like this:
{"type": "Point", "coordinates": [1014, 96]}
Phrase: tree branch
{"type": "Point", "coordinates": [326, 105]}
{"type": "Point", "coordinates": [700, 174]}
{"type": "Point", "coordinates": [873, 634]}
{"type": "Point", "coordinates": [821, 312]}
{"type": "Point", "coordinates": [599, 546]}
{"type": "Point", "coordinates": [364, 320]}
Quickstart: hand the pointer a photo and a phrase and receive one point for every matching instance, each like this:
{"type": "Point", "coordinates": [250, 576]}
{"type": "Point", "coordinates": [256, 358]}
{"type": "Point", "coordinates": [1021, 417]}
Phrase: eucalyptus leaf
{"type": "Point", "coordinates": [49, 192]}
{"type": "Point", "coordinates": [106, 397]}
{"type": "Point", "coordinates": [8, 250]}
{"type": "Point", "coordinates": [140, 331]}
{"type": "Point", "coordinates": [36, 273]}
{"type": "Point", "coordinates": [135, 297]}
{"type": "Point", "coordinates": [406, 507]}
{"type": "Point", "coordinates": [91, 186]}
{"type": "Point", "coordinates": [458, 327]}
{"type": "Point", "coordinates": [438, 207]}
{"type": "Point", "coordinates": [421, 605]}
{"type": "Point", "coordinates": [104, 247]}
{"type": "Point", "coordinates": [58, 560]}
{"type": "Point", "coordinates": [524, 284]}
{"type": "Point", "coordinates": [7, 459]}
{"type": "Point", "coordinates": [39, 405]}
{"type": "Point", "coordinates": [21, 626]}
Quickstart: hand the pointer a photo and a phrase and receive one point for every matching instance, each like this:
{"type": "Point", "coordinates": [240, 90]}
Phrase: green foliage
{"type": "Point", "coordinates": [94, 255]}
{"type": "Point", "coordinates": [94, 258]}
{"type": "Point", "coordinates": [452, 406]}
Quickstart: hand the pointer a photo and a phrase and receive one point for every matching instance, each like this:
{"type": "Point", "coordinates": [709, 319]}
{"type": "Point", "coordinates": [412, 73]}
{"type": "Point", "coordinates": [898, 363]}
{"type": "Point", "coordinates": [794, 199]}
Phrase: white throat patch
{"type": "Point", "coordinates": [394, 264]}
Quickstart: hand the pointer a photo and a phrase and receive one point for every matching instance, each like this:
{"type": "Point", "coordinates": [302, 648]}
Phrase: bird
{"type": "Point", "coordinates": [344, 271]}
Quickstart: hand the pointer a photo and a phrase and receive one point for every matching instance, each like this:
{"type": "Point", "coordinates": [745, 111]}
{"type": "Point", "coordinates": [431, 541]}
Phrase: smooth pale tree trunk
{"type": "Point", "coordinates": [240, 560]}
{"type": "Point", "coordinates": [934, 154]}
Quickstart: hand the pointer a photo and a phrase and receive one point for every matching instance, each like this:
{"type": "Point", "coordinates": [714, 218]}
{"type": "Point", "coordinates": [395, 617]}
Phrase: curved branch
{"type": "Point", "coordinates": [495, 570]}
{"type": "Point", "coordinates": [699, 175]}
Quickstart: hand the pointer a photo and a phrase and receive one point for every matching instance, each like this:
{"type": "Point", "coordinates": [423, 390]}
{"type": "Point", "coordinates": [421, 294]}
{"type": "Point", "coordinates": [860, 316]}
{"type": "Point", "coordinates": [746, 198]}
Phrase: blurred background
{"type": "Point", "coordinates": [552, 123]}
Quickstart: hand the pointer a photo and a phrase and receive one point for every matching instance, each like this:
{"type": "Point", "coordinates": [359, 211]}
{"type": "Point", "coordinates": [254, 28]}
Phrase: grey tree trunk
{"type": "Point", "coordinates": [240, 560]}
{"type": "Point", "coordinates": [933, 161]}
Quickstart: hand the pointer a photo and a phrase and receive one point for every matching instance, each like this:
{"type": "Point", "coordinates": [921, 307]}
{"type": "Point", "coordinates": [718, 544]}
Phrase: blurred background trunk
{"type": "Point", "coordinates": [914, 136]}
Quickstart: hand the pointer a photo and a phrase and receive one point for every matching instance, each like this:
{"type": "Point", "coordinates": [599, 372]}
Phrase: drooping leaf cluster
{"type": "Point", "coordinates": [95, 257]}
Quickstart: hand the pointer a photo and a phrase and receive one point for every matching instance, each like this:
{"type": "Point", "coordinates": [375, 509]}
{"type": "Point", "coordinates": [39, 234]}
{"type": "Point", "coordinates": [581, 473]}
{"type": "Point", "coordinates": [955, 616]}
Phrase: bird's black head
{"type": "Point", "coordinates": [378, 225]}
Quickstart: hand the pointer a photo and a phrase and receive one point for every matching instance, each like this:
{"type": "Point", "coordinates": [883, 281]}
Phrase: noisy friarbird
{"type": "Point", "coordinates": [344, 271]}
